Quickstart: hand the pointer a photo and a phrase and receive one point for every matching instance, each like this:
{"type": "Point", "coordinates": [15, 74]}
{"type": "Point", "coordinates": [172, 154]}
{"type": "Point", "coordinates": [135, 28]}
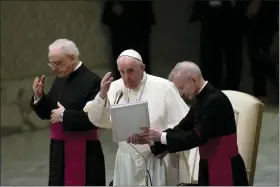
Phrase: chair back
{"type": "Point", "coordinates": [248, 115]}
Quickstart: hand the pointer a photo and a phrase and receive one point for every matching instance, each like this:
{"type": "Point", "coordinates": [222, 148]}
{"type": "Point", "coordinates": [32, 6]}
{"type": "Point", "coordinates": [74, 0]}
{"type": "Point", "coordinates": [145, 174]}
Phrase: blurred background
{"type": "Point", "coordinates": [235, 43]}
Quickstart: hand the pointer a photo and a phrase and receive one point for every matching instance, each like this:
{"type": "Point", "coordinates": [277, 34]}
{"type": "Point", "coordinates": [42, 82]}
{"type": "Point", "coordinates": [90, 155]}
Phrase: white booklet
{"type": "Point", "coordinates": [128, 119]}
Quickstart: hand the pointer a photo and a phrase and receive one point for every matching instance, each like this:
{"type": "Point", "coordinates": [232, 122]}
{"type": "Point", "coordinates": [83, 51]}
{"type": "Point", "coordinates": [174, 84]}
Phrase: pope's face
{"type": "Point", "coordinates": [131, 71]}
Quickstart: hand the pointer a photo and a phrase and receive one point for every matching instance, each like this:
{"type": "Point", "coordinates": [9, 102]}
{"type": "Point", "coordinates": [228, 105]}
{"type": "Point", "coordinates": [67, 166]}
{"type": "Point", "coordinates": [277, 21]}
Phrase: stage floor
{"type": "Point", "coordinates": [24, 157]}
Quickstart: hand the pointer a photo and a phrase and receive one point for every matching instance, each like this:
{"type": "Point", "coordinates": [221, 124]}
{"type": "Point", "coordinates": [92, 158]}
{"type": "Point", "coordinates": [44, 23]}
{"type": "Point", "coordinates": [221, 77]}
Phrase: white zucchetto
{"type": "Point", "coordinates": [131, 53]}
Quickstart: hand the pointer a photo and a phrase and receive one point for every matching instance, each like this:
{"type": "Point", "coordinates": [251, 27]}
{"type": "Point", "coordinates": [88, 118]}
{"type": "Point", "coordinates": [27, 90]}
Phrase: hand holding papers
{"type": "Point", "coordinates": [128, 119]}
{"type": "Point", "coordinates": [148, 136]}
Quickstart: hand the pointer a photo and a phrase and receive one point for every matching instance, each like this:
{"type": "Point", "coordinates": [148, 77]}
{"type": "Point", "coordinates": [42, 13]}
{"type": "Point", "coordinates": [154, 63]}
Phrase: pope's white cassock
{"type": "Point", "coordinates": [166, 109]}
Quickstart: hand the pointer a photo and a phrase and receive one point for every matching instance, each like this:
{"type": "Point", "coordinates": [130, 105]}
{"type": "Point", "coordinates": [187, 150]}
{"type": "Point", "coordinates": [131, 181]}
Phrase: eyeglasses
{"type": "Point", "coordinates": [49, 64]}
{"type": "Point", "coordinates": [53, 65]}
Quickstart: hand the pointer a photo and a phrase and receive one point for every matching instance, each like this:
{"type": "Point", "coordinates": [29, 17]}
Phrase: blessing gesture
{"type": "Point", "coordinates": [38, 86]}
{"type": "Point", "coordinates": [105, 85]}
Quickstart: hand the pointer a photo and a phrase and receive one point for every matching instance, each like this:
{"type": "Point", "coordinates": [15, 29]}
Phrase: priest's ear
{"type": "Point", "coordinates": [193, 79]}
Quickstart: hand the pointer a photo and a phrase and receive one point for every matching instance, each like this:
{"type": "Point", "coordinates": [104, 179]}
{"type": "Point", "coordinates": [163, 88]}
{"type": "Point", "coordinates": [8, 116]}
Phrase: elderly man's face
{"type": "Point", "coordinates": [186, 87]}
{"type": "Point", "coordinates": [61, 64]}
{"type": "Point", "coordinates": [131, 71]}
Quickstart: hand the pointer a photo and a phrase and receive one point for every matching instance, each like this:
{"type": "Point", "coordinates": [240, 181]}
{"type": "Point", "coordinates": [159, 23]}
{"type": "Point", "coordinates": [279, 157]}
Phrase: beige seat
{"type": "Point", "coordinates": [194, 165]}
{"type": "Point", "coordinates": [248, 115]}
{"type": "Point", "coordinates": [191, 160]}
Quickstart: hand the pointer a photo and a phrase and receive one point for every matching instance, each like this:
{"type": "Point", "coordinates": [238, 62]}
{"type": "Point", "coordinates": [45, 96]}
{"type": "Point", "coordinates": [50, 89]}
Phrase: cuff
{"type": "Point", "coordinates": [163, 138]}
{"type": "Point", "coordinates": [101, 101]}
{"type": "Point", "coordinates": [61, 117]}
{"type": "Point", "coordinates": [36, 100]}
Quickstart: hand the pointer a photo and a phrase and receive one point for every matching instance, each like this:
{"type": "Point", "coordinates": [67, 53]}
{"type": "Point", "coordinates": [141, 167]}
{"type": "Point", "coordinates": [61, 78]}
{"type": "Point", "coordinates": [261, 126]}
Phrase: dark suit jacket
{"type": "Point", "coordinates": [135, 14]}
{"type": "Point", "coordinates": [202, 11]}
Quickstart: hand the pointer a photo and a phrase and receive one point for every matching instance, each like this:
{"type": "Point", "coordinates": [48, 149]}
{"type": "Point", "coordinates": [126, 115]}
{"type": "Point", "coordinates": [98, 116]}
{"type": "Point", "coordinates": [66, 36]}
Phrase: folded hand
{"type": "Point", "coordinates": [56, 115]}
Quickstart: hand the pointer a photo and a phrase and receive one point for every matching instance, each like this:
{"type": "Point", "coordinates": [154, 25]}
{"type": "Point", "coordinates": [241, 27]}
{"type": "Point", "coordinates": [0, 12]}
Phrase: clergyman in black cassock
{"type": "Point", "coordinates": [76, 156]}
{"type": "Point", "coordinates": [210, 124]}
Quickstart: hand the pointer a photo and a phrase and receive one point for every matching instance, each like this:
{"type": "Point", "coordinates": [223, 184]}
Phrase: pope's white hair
{"type": "Point", "coordinates": [65, 46]}
{"type": "Point", "coordinates": [185, 70]}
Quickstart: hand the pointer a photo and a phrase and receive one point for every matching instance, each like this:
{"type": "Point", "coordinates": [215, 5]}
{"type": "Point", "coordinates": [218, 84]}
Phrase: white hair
{"type": "Point", "coordinates": [65, 46]}
{"type": "Point", "coordinates": [185, 69]}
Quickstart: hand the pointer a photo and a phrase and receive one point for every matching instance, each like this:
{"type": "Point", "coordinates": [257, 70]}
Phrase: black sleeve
{"type": "Point", "coordinates": [181, 141]}
{"type": "Point", "coordinates": [43, 107]}
{"type": "Point", "coordinates": [158, 148]}
{"type": "Point", "coordinates": [186, 124]}
{"type": "Point", "coordinates": [74, 120]}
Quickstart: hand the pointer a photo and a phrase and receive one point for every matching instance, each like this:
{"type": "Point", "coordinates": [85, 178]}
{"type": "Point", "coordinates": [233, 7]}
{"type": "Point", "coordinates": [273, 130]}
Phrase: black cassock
{"type": "Point", "coordinates": [76, 156]}
{"type": "Point", "coordinates": [210, 124]}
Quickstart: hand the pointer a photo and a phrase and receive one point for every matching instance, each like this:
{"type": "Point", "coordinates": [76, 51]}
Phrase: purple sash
{"type": "Point", "coordinates": [74, 153]}
{"type": "Point", "coordinates": [219, 152]}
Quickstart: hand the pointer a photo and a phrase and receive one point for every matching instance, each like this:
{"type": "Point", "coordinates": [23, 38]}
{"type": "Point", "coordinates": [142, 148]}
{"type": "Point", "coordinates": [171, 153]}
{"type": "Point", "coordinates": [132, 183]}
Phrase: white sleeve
{"type": "Point", "coordinates": [175, 107]}
{"type": "Point", "coordinates": [101, 102]}
{"type": "Point", "coordinates": [98, 113]}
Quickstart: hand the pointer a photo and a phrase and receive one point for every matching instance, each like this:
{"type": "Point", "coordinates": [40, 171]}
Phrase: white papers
{"type": "Point", "coordinates": [128, 119]}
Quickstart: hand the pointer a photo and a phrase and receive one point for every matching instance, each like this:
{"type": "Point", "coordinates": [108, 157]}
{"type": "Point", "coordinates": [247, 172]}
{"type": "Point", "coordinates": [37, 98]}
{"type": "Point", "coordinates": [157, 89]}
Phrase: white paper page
{"type": "Point", "coordinates": [127, 119]}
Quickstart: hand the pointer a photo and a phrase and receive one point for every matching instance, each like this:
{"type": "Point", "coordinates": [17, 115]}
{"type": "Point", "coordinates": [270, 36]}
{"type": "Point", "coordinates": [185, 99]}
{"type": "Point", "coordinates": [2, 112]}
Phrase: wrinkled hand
{"type": "Point", "coordinates": [105, 85]}
{"type": "Point", "coordinates": [56, 115]}
{"type": "Point", "coordinates": [150, 135]}
{"type": "Point", "coordinates": [253, 8]}
{"type": "Point", "coordinates": [38, 86]}
{"type": "Point", "coordinates": [135, 139]}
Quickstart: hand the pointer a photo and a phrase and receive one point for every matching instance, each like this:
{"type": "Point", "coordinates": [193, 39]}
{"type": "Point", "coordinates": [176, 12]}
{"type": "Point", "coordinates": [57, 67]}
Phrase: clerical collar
{"type": "Point", "coordinates": [202, 91]}
{"type": "Point", "coordinates": [206, 90]}
{"type": "Point", "coordinates": [202, 87]}
{"type": "Point", "coordinates": [79, 65]}
{"type": "Point", "coordinates": [76, 71]}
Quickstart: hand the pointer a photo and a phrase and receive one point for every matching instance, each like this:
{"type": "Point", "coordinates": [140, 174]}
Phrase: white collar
{"type": "Point", "coordinates": [202, 87]}
{"type": "Point", "coordinates": [79, 65]}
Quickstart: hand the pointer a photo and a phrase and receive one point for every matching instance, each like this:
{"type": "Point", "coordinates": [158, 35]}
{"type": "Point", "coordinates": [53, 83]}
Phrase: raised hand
{"type": "Point", "coordinates": [105, 85]}
{"type": "Point", "coordinates": [38, 86]}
